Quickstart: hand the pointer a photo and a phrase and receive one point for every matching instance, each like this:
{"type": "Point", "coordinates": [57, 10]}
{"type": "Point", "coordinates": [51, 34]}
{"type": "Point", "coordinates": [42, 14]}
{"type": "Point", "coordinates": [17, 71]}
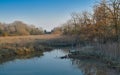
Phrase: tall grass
{"type": "Point", "coordinates": [109, 49]}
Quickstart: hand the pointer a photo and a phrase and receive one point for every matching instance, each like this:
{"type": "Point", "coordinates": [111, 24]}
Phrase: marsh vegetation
{"type": "Point", "coordinates": [92, 41]}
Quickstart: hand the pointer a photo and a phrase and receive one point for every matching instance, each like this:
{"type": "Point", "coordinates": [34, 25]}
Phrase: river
{"type": "Point", "coordinates": [50, 64]}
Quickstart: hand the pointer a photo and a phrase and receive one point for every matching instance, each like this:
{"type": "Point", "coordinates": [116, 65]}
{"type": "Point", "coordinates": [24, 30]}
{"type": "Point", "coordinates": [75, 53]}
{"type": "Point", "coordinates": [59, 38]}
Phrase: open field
{"type": "Point", "coordinates": [15, 39]}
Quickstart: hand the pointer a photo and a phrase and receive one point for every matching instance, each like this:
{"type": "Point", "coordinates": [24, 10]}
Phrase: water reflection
{"type": "Point", "coordinates": [91, 67]}
{"type": "Point", "coordinates": [23, 57]}
{"type": "Point", "coordinates": [49, 63]}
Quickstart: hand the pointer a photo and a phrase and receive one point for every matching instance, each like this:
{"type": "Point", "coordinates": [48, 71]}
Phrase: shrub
{"type": "Point", "coordinates": [4, 34]}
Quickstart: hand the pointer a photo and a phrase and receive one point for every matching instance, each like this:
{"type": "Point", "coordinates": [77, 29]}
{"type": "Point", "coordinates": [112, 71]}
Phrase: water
{"type": "Point", "coordinates": [51, 64]}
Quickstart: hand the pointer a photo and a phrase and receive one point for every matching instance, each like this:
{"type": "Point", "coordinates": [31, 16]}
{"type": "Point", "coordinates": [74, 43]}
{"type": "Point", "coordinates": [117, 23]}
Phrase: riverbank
{"type": "Point", "coordinates": [12, 50]}
{"type": "Point", "coordinates": [25, 45]}
{"type": "Point", "coordinates": [22, 45]}
{"type": "Point", "coordinates": [89, 52]}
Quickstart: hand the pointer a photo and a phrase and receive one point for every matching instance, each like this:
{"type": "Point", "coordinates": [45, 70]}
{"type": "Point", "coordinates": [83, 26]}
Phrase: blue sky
{"type": "Point", "coordinates": [42, 13]}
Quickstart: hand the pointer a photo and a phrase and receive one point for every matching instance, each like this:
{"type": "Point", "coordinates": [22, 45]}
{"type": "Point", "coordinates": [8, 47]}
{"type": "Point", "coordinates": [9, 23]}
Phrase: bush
{"type": "Point", "coordinates": [4, 34]}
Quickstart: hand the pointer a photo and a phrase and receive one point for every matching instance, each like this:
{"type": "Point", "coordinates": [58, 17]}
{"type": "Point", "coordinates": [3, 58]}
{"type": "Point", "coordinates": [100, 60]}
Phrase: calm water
{"type": "Point", "coordinates": [51, 64]}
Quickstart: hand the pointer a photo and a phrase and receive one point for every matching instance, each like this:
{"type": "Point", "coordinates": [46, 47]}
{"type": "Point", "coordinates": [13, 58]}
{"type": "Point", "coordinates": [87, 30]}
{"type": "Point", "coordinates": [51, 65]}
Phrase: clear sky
{"type": "Point", "coordinates": [42, 13]}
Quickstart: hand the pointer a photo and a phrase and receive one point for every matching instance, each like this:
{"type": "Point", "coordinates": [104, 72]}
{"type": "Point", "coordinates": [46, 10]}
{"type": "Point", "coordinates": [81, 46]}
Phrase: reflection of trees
{"type": "Point", "coordinates": [26, 56]}
{"type": "Point", "coordinates": [65, 51]}
{"type": "Point", "coordinates": [30, 56]}
{"type": "Point", "coordinates": [93, 68]}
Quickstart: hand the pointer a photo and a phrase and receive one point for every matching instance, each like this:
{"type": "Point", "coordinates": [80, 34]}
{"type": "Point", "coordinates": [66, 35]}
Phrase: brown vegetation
{"type": "Point", "coordinates": [22, 39]}
{"type": "Point", "coordinates": [19, 28]}
{"type": "Point", "coordinates": [23, 45]}
{"type": "Point", "coordinates": [100, 29]}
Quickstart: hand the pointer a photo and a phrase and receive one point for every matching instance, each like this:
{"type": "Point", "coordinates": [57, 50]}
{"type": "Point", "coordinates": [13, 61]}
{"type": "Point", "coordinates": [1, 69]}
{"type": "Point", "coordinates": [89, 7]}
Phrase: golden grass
{"type": "Point", "coordinates": [15, 39]}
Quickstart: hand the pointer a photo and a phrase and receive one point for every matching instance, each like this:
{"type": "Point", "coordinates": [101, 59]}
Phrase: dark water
{"type": "Point", "coordinates": [51, 64]}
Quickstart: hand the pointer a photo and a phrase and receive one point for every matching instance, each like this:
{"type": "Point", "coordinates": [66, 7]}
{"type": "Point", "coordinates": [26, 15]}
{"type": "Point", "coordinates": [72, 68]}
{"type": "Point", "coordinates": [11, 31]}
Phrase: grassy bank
{"type": "Point", "coordinates": [23, 45]}
{"type": "Point", "coordinates": [12, 50]}
{"type": "Point", "coordinates": [110, 57]}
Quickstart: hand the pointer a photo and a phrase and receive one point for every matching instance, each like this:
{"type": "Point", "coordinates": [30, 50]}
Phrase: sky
{"type": "Point", "coordinates": [42, 13]}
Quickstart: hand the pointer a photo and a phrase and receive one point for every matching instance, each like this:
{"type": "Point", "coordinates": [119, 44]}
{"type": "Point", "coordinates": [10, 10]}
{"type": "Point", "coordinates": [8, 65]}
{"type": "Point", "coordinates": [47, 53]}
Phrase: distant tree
{"type": "Point", "coordinates": [19, 28]}
{"type": "Point", "coordinates": [57, 30]}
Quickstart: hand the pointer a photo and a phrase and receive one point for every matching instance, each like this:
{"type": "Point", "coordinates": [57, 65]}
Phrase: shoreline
{"type": "Point", "coordinates": [32, 44]}
{"type": "Point", "coordinates": [109, 62]}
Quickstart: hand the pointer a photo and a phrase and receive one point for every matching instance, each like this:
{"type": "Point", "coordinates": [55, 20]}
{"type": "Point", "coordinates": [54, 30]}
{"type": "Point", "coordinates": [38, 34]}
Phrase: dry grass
{"type": "Point", "coordinates": [17, 39]}
{"type": "Point", "coordinates": [20, 45]}
{"type": "Point", "coordinates": [109, 49]}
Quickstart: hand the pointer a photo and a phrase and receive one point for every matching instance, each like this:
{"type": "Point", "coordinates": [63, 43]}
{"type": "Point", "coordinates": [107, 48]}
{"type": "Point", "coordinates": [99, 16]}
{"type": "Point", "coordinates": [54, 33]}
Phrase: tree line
{"type": "Point", "coordinates": [19, 28]}
{"type": "Point", "coordinates": [102, 25]}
